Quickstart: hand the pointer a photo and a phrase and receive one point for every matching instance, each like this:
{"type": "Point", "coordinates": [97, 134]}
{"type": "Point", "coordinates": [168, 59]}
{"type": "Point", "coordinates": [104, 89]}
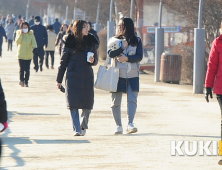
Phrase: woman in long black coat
{"type": "Point", "coordinates": [79, 74]}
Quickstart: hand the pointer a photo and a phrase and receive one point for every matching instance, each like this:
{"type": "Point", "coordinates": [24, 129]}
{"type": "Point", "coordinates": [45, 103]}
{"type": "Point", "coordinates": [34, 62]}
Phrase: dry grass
{"type": "Point", "coordinates": [187, 53]}
{"type": "Point", "coordinates": [103, 44]}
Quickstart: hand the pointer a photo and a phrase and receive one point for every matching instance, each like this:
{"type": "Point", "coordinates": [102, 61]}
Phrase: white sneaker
{"type": "Point", "coordinates": [83, 132]}
{"type": "Point", "coordinates": [77, 134]}
{"type": "Point", "coordinates": [131, 128]}
{"type": "Point", "coordinates": [119, 130]}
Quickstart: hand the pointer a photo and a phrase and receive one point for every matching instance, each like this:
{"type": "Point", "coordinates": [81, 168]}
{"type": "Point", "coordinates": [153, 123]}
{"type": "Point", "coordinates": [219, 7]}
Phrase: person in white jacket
{"type": "Point", "coordinates": [50, 50]}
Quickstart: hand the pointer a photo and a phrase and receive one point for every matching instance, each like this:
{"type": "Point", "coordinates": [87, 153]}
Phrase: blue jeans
{"type": "Point", "coordinates": [131, 105]}
{"type": "Point", "coordinates": [84, 119]}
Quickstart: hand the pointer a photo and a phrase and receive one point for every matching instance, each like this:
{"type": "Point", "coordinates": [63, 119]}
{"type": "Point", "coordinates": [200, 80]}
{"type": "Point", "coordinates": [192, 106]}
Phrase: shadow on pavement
{"type": "Point", "coordinates": [29, 114]}
{"type": "Point", "coordinates": [12, 142]}
{"type": "Point", "coordinates": [158, 134]}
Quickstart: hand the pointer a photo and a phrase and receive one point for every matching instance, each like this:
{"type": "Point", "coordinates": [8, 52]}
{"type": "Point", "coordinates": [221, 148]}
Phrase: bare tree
{"type": "Point", "coordinates": [188, 11]}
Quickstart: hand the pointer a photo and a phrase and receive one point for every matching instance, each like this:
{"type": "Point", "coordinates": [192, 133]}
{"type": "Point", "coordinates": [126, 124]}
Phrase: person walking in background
{"type": "Point", "coordinates": [42, 40]}
{"type": "Point", "coordinates": [18, 22]}
{"type": "Point", "coordinates": [8, 18]}
{"type": "Point", "coordinates": [3, 114]}
{"type": "Point", "coordinates": [59, 41]}
{"type": "Point", "coordinates": [14, 18]}
{"type": "Point", "coordinates": [23, 19]}
{"type": "Point", "coordinates": [17, 27]}
{"type": "Point", "coordinates": [31, 21]}
{"type": "Point", "coordinates": [56, 26]}
{"type": "Point", "coordinates": [128, 64]}
{"type": "Point", "coordinates": [92, 31]}
{"type": "Point", "coordinates": [10, 28]}
{"type": "Point", "coordinates": [70, 29]}
{"type": "Point", "coordinates": [3, 21]}
{"type": "Point", "coordinates": [26, 46]}
{"type": "Point", "coordinates": [2, 34]}
{"type": "Point", "coordinates": [79, 75]}
{"type": "Point", "coordinates": [51, 46]}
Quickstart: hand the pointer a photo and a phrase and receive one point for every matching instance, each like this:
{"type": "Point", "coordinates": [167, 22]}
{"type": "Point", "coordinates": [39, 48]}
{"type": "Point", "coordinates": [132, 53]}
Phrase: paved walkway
{"type": "Point", "coordinates": [40, 133]}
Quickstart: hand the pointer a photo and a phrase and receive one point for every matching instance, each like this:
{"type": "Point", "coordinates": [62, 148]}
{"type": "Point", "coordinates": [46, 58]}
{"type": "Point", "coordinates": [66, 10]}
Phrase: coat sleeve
{"type": "Point", "coordinates": [3, 110]}
{"type": "Point", "coordinates": [213, 62]}
{"type": "Point", "coordinates": [57, 39]}
{"type": "Point", "coordinates": [66, 52]}
{"type": "Point", "coordinates": [139, 54]}
{"type": "Point", "coordinates": [34, 44]}
{"type": "Point", "coordinates": [114, 53]}
{"type": "Point", "coordinates": [4, 34]}
{"type": "Point", "coordinates": [45, 37]}
{"type": "Point", "coordinates": [95, 57]}
{"type": "Point", "coordinates": [18, 38]}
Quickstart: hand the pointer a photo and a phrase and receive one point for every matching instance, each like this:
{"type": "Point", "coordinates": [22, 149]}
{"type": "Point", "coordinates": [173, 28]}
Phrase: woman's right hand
{"type": "Point", "coordinates": [59, 85]}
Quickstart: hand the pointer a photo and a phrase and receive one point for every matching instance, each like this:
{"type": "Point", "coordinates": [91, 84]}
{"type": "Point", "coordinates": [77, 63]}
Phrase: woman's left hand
{"type": "Point", "coordinates": [122, 58]}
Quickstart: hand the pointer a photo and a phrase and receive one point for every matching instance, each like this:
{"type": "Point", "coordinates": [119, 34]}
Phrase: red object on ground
{"type": "Point", "coordinates": [5, 125]}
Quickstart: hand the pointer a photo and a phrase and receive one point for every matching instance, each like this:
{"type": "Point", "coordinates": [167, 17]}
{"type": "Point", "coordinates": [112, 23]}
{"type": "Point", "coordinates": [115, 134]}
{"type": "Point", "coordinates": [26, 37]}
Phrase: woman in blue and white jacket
{"type": "Point", "coordinates": [128, 64]}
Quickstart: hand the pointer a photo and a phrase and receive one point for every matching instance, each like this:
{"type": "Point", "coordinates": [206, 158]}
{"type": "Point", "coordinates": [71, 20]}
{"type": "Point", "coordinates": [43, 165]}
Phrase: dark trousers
{"type": "Point", "coordinates": [47, 58]}
{"type": "Point", "coordinates": [0, 48]}
{"type": "Point", "coordinates": [60, 50]}
{"type": "Point", "coordinates": [10, 45]}
{"type": "Point", "coordinates": [40, 56]}
{"type": "Point", "coordinates": [24, 70]}
{"type": "Point", "coordinates": [219, 99]}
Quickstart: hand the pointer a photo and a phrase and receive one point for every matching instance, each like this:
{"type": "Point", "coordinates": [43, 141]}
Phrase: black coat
{"type": "Point", "coordinates": [3, 111]}
{"type": "Point", "coordinates": [92, 31]}
{"type": "Point", "coordinates": [2, 34]}
{"type": "Point", "coordinates": [79, 73]}
{"type": "Point", "coordinates": [41, 35]}
{"type": "Point", "coordinates": [56, 26]}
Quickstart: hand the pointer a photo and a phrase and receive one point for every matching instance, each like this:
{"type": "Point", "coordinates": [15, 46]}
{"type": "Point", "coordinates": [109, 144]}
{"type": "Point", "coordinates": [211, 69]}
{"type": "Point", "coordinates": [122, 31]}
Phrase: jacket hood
{"type": "Point", "coordinates": [30, 32]}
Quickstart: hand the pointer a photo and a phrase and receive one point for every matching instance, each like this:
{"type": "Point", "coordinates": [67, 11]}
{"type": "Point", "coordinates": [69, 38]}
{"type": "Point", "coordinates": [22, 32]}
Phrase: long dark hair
{"type": "Point", "coordinates": [128, 32]}
{"type": "Point", "coordinates": [25, 23]}
{"type": "Point", "coordinates": [69, 28]}
{"type": "Point", "coordinates": [80, 40]}
{"type": "Point", "coordinates": [61, 28]}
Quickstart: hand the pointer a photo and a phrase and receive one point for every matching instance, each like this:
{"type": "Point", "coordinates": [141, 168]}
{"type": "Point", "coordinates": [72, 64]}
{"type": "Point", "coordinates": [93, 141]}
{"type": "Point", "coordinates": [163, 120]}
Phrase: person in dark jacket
{"type": "Point", "coordinates": [9, 29]}
{"type": "Point", "coordinates": [31, 21]}
{"type": "Point", "coordinates": [92, 31]}
{"type": "Point", "coordinates": [2, 34]}
{"type": "Point", "coordinates": [79, 74]}
{"type": "Point", "coordinates": [3, 114]}
{"type": "Point", "coordinates": [56, 26]}
{"type": "Point", "coordinates": [59, 41]}
{"type": "Point", "coordinates": [41, 37]}
{"type": "Point", "coordinates": [128, 64]}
